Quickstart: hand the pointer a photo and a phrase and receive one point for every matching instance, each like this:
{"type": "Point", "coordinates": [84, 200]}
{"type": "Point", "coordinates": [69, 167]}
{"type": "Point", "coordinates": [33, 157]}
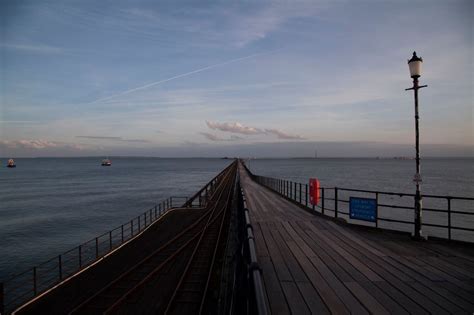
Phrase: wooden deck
{"type": "Point", "coordinates": [312, 264]}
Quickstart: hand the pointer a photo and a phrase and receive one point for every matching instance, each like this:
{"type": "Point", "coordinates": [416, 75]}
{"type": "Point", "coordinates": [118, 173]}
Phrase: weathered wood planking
{"type": "Point", "coordinates": [316, 265]}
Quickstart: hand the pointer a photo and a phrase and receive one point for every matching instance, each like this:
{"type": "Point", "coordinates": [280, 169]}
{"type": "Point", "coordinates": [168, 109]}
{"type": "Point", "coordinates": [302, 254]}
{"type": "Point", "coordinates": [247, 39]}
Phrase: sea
{"type": "Point", "coordinates": [49, 205]}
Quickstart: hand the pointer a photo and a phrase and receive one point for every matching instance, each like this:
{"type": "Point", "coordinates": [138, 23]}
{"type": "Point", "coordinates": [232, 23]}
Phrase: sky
{"type": "Point", "coordinates": [225, 78]}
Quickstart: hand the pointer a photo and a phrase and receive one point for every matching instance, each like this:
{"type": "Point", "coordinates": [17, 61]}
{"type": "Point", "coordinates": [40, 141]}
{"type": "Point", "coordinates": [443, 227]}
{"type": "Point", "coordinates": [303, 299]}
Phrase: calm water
{"type": "Point", "coordinates": [50, 205]}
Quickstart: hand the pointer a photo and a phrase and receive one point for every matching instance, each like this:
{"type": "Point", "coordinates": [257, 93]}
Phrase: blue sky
{"type": "Point", "coordinates": [182, 78]}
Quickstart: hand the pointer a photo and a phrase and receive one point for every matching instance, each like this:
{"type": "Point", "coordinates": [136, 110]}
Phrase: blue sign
{"type": "Point", "coordinates": [363, 209]}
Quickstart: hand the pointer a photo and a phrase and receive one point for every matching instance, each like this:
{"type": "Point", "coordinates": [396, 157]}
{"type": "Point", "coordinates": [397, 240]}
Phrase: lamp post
{"type": "Point", "coordinates": [415, 72]}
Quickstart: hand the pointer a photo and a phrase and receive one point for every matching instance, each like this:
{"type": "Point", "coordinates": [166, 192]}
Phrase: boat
{"type": "Point", "coordinates": [11, 163]}
{"type": "Point", "coordinates": [106, 162]}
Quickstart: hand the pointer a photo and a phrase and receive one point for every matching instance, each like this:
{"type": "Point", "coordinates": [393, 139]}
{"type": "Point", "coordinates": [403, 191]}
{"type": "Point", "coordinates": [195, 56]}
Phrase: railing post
{"type": "Point", "coordinates": [156, 212]}
{"type": "Point", "coordinates": [96, 247]}
{"type": "Point", "coordinates": [2, 299]}
{"type": "Point", "coordinates": [306, 195]}
{"type": "Point", "coordinates": [122, 233]}
{"type": "Point", "coordinates": [335, 202]}
{"type": "Point", "coordinates": [300, 192]}
{"type": "Point", "coordinates": [131, 228]}
{"type": "Point", "coordinates": [449, 218]}
{"type": "Point", "coordinates": [322, 202]}
{"type": "Point", "coordinates": [60, 267]}
{"type": "Point", "coordinates": [151, 216]}
{"type": "Point", "coordinates": [110, 240]}
{"type": "Point", "coordinates": [287, 189]}
{"type": "Point", "coordinates": [377, 209]}
{"type": "Point", "coordinates": [167, 203]}
{"type": "Point", "coordinates": [144, 219]}
{"type": "Point", "coordinates": [34, 281]}
{"type": "Point", "coordinates": [294, 195]}
{"type": "Point", "coordinates": [139, 226]}
{"type": "Point", "coordinates": [80, 256]}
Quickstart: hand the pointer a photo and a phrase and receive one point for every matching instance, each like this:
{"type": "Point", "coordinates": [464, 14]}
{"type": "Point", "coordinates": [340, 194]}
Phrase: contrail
{"type": "Point", "coordinates": [181, 75]}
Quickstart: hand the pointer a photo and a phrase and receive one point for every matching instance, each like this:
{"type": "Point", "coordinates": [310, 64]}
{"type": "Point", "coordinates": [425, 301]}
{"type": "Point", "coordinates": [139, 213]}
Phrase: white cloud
{"type": "Point", "coordinates": [235, 127]}
{"type": "Point", "coordinates": [213, 137]}
{"type": "Point", "coordinates": [283, 135]}
{"type": "Point", "coordinates": [38, 144]}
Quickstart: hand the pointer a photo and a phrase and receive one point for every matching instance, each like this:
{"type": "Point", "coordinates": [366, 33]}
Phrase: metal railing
{"type": "Point", "coordinates": [256, 298]}
{"type": "Point", "coordinates": [26, 285]}
{"type": "Point", "coordinates": [447, 217]}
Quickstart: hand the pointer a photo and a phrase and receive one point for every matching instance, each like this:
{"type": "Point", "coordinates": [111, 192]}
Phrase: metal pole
{"type": "Point", "coordinates": [335, 202]}
{"type": "Point", "coordinates": [34, 281]}
{"type": "Point", "coordinates": [417, 179]}
{"type": "Point", "coordinates": [300, 192]}
{"type": "Point", "coordinates": [449, 218]}
{"type": "Point", "coordinates": [122, 233]}
{"type": "Point", "coordinates": [376, 209]}
{"type": "Point", "coordinates": [96, 247]}
{"type": "Point", "coordinates": [110, 240]}
{"type": "Point", "coordinates": [306, 195]}
{"type": "Point", "coordinates": [80, 256]}
{"type": "Point", "coordinates": [60, 265]}
{"type": "Point", "coordinates": [322, 202]}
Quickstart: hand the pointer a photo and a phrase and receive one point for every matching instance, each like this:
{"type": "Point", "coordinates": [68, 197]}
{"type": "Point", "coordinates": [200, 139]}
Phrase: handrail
{"type": "Point", "coordinates": [299, 193]}
{"type": "Point", "coordinates": [254, 268]}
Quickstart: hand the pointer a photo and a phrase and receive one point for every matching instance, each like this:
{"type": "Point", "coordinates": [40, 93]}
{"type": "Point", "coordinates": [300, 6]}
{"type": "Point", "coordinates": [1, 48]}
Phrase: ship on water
{"type": "Point", "coordinates": [11, 163]}
{"type": "Point", "coordinates": [106, 162]}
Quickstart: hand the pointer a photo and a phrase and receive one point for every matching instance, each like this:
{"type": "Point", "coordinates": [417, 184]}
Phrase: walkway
{"type": "Point", "coordinates": [313, 264]}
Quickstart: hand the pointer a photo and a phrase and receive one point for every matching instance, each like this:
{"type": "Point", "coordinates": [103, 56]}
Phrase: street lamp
{"type": "Point", "coordinates": [415, 72]}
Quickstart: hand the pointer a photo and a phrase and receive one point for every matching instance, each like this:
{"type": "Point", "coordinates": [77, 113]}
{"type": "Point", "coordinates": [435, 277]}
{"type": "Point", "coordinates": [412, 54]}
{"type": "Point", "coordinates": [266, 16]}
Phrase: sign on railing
{"type": "Point", "coordinates": [363, 209]}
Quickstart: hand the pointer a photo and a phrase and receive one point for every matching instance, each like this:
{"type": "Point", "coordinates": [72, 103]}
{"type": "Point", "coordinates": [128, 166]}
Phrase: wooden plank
{"type": "Point", "coordinates": [383, 297]}
{"type": "Point", "coordinates": [428, 301]}
{"type": "Point", "coordinates": [259, 241]}
{"type": "Point", "coordinates": [330, 297]}
{"type": "Point", "coordinates": [273, 289]}
{"type": "Point", "coordinates": [372, 276]}
{"type": "Point", "coordinates": [356, 239]}
{"type": "Point", "coordinates": [291, 262]}
{"type": "Point", "coordinates": [312, 298]}
{"type": "Point", "coordinates": [278, 262]}
{"type": "Point", "coordinates": [366, 299]}
{"type": "Point", "coordinates": [295, 300]}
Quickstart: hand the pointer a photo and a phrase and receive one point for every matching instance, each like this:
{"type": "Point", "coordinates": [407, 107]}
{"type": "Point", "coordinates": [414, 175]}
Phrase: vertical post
{"type": "Point", "coordinates": [122, 232]}
{"type": "Point", "coordinates": [151, 215]}
{"type": "Point", "coordinates": [306, 195]}
{"type": "Point", "coordinates": [34, 281]}
{"type": "Point", "coordinates": [335, 202]}
{"type": "Point", "coordinates": [96, 247]}
{"type": "Point", "coordinates": [377, 209]}
{"type": "Point", "coordinates": [144, 219]}
{"type": "Point", "coordinates": [2, 299]}
{"type": "Point", "coordinates": [159, 209]}
{"type": "Point", "coordinates": [80, 256]}
{"type": "Point", "coordinates": [60, 267]}
{"type": "Point", "coordinates": [110, 240]}
{"type": "Point", "coordinates": [139, 227]}
{"type": "Point", "coordinates": [287, 188]}
{"type": "Point", "coordinates": [167, 203]}
{"type": "Point", "coordinates": [449, 218]}
{"type": "Point", "coordinates": [300, 192]}
{"type": "Point", "coordinates": [131, 228]}
{"type": "Point", "coordinates": [322, 202]}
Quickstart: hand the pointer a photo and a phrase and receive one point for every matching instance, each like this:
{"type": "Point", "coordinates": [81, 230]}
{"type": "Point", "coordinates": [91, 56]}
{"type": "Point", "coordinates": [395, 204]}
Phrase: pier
{"type": "Point", "coordinates": [244, 245]}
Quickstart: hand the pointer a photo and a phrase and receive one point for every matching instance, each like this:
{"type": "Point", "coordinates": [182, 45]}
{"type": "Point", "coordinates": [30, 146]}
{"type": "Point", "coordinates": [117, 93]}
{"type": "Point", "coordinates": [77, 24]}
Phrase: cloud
{"type": "Point", "coordinates": [100, 137]}
{"type": "Point", "coordinates": [283, 135]}
{"type": "Point", "coordinates": [235, 127]}
{"type": "Point", "coordinates": [37, 144]}
{"type": "Point", "coordinates": [113, 139]}
{"type": "Point", "coordinates": [213, 137]}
